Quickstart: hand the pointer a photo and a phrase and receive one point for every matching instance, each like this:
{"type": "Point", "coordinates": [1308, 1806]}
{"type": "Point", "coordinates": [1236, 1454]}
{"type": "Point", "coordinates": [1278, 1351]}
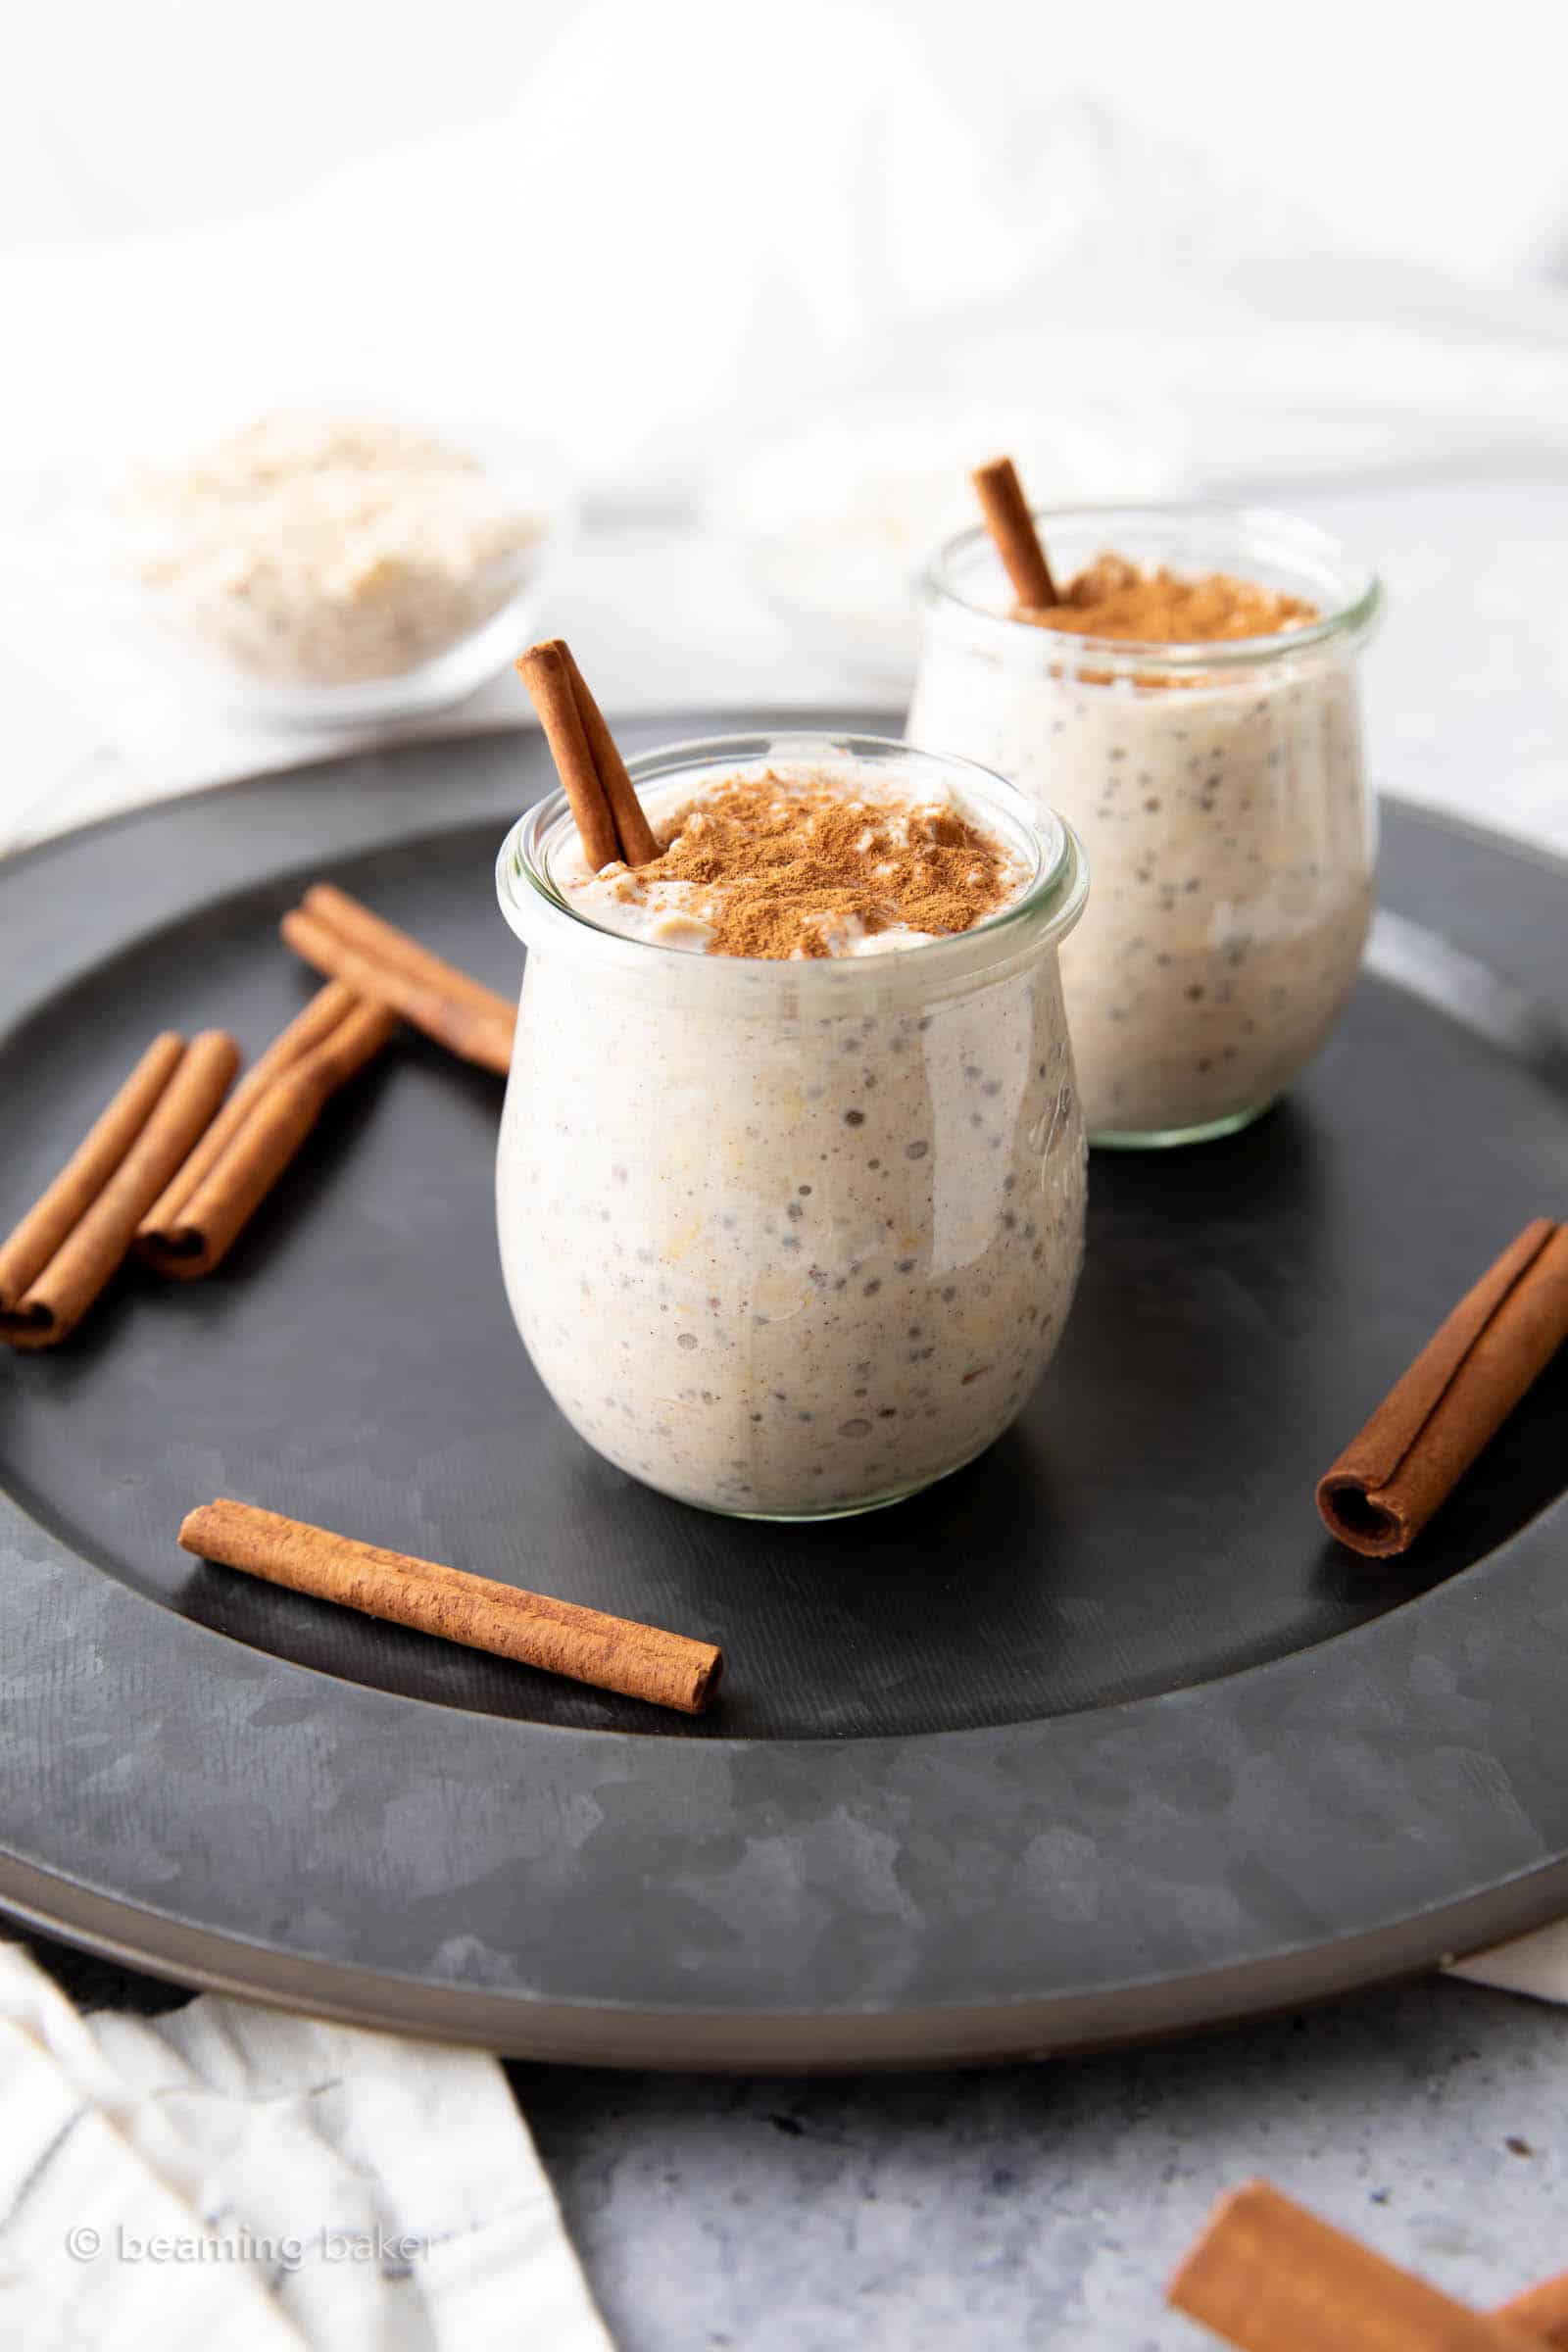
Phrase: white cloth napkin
{"type": "Point", "coordinates": [1536, 1965]}
{"type": "Point", "coordinates": [226, 2174]}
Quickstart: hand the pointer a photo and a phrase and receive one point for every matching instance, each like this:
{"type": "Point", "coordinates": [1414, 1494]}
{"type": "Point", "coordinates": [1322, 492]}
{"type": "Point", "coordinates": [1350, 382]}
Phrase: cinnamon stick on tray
{"type": "Point", "coordinates": [1012, 526]}
{"type": "Point", "coordinates": [611, 820]}
{"type": "Point", "coordinates": [1386, 1485]}
{"type": "Point", "coordinates": [1271, 2277]}
{"type": "Point", "coordinates": [73, 1240]}
{"type": "Point", "coordinates": [614, 1653]}
{"type": "Point", "coordinates": [339, 937]}
{"type": "Point", "coordinates": [202, 1210]}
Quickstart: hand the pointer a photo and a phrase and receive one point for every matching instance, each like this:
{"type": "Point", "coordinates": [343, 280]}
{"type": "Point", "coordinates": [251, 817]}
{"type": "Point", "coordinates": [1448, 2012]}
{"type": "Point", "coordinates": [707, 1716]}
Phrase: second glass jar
{"type": "Point", "coordinates": [1219, 789]}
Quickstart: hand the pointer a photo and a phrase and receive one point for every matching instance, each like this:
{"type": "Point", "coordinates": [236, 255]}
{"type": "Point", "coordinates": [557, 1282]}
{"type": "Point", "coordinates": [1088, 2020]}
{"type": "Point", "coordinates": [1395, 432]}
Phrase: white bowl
{"type": "Point", "coordinates": [216, 615]}
{"type": "Point", "coordinates": [835, 526]}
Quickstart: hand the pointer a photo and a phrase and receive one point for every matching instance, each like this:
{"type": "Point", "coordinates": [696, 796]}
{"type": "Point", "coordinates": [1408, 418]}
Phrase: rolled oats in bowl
{"type": "Point", "coordinates": [343, 565]}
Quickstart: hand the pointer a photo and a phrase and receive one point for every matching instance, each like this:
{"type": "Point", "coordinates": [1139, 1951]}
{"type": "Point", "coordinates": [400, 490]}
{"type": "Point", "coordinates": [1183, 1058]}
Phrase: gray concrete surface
{"type": "Point", "coordinates": [1045, 2206]}
{"type": "Point", "coordinates": [1038, 2209]}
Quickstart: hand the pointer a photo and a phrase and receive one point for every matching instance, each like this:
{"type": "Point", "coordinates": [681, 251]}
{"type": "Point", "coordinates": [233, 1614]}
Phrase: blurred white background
{"type": "Point", "coordinates": [766, 279]}
{"type": "Point", "coordinates": [662, 234]}
{"type": "Point", "coordinates": [1434, 135]}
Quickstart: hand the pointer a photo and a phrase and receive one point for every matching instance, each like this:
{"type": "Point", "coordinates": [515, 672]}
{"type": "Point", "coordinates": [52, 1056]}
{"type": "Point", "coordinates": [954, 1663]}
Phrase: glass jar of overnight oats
{"type": "Point", "coordinates": [1219, 786]}
{"type": "Point", "coordinates": [791, 1237]}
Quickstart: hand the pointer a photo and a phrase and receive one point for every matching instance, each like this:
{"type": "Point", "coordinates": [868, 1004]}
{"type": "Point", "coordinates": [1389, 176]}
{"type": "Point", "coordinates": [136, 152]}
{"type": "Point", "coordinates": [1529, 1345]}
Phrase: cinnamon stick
{"type": "Point", "coordinates": [64, 1253]}
{"type": "Point", "coordinates": [381, 942]}
{"type": "Point", "coordinates": [614, 1653]}
{"type": "Point", "coordinates": [632, 829]}
{"type": "Point", "coordinates": [1012, 526]}
{"type": "Point", "coordinates": [1271, 2277]}
{"type": "Point", "coordinates": [337, 936]}
{"type": "Point", "coordinates": [612, 825]}
{"type": "Point", "coordinates": [1434, 1420]}
{"type": "Point", "coordinates": [199, 1215]}
{"type": "Point", "coordinates": [544, 671]}
{"type": "Point", "coordinates": [34, 1242]}
{"type": "Point", "coordinates": [320, 1015]}
{"type": "Point", "coordinates": [1540, 2311]}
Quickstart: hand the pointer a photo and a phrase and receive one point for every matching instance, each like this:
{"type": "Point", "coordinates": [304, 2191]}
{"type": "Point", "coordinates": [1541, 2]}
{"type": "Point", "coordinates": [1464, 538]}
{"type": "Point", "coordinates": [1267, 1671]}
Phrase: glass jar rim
{"type": "Point", "coordinates": [1349, 620]}
{"type": "Point", "coordinates": [537, 910]}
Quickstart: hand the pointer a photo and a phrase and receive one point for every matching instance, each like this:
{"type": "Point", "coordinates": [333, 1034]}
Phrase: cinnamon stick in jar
{"type": "Point", "coordinates": [632, 829]}
{"type": "Point", "coordinates": [614, 1653]}
{"type": "Point", "coordinates": [1012, 527]}
{"type": "Point", "coordinates": [66, 1251]}
{"type": "Point", "coordinates": [1434, 1420]}
{"type": "Point", "coordinates": [611, 820]}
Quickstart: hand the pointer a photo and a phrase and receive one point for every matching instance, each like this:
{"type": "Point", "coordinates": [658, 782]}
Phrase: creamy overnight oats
{"type": "Point", "coordinates": [1191, 705]}
{"type": "Point", "coordinates": [791, 1176]}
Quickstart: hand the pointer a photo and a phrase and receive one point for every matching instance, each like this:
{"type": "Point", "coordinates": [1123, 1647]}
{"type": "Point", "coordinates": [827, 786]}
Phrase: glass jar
{"type": "Point", "coordinates": [793, 1238]}
{"type": "Point", "coordinates": [1218, 787]}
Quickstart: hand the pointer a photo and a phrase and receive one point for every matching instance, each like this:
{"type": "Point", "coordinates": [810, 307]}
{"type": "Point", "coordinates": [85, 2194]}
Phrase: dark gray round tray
{"type": "Point", "coordinates": [1101, 1738]}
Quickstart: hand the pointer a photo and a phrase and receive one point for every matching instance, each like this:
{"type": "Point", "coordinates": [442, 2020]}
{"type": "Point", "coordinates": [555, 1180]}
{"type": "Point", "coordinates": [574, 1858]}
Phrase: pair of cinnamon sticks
{"type": "Point", "coordinates": [377, 977]}
{"type": "Point", "coordinates": [176, 1172]}
{"type": "Point", "coordinates": [55, 1263]}
{"type": "Point", "coordinates": [336, 935]}
{"type": "Point", "coordinates": [237, 1161]}
{"type": "Point", "coordinates": [1271, 2277]}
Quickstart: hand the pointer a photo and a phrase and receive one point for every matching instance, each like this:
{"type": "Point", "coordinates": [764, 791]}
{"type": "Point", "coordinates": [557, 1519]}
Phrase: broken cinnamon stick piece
{"type": "Point", "coordinates": [337, 936]}
{"type": "Point", "coordinates": [62, 1255]}
{"type": "Point", "coordinates": [1012, 526]}
{"type": "Point", "coordinates": [192, 1227]}
{"type": "Point", "coordinates": [1271, 2277]}
{"type": "Point", "coordinates": [1429, 1429]}
{"type": "Point", "coordinates": [614, 1653]}
{"type": "Point", "coordinates": [1542, 2310]}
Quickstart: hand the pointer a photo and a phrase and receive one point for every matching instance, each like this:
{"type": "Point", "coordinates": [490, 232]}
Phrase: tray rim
{"type": "Point", "coordinates": [785, 2041]}
{"type": "Point", "coordinates": [591, 2029]}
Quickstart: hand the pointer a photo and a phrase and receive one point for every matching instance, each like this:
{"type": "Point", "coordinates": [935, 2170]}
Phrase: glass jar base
{"type": "Point", "coordinates": [1167, 1139]}
{"type": "Point", "coordinates": [837, 1510]}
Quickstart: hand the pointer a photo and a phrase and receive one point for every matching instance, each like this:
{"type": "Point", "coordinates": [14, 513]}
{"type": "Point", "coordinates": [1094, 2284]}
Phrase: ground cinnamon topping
{"type": "Point", "coordinates": [781, 868]}
{"type": "Point", "coordinates": [1114, 598]}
